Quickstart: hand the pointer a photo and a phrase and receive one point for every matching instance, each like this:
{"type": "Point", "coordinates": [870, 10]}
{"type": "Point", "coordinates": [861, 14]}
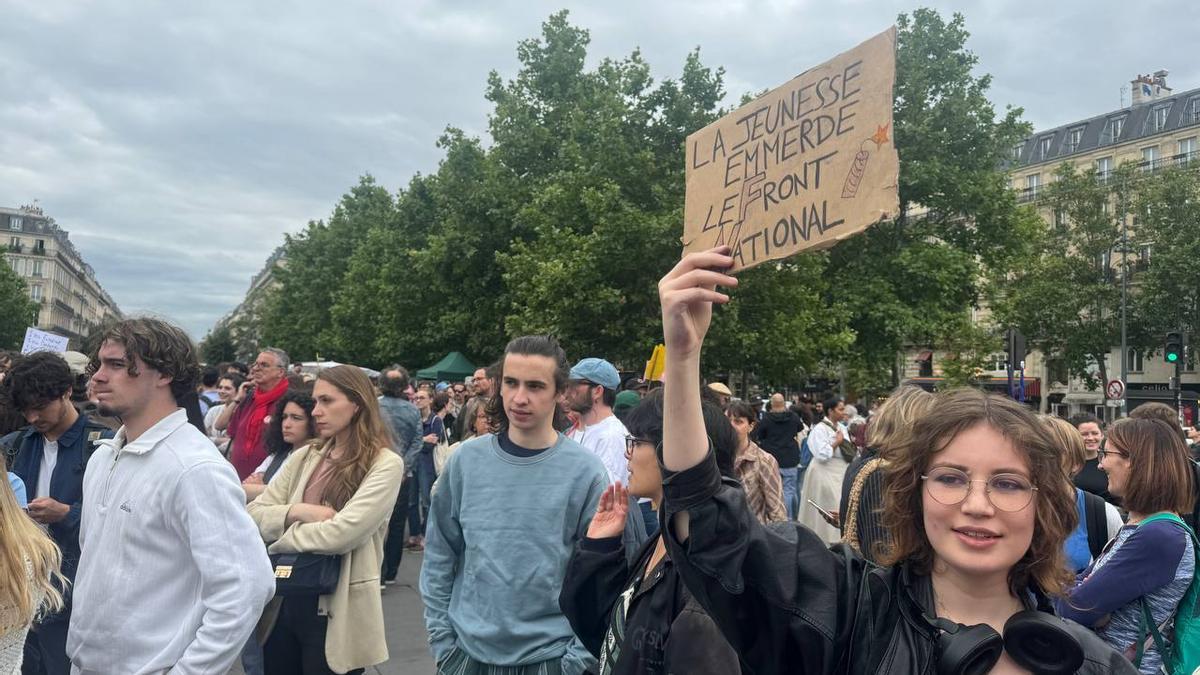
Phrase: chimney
{"type": "Point", "coordinates": [1146, 88]}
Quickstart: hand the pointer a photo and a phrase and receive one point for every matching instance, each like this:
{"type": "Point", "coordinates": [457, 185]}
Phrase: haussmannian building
{"type": "Point", "coordinates": [72, 302]}
{"type": "Point", "coordinates": [1159, 129]}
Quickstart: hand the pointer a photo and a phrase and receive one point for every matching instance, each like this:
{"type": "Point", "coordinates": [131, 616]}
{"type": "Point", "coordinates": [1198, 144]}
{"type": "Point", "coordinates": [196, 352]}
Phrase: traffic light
{"type": "Point", "coordinates": [1175, 350]}
{"type": "Point", "coordinates": [1015, 343]}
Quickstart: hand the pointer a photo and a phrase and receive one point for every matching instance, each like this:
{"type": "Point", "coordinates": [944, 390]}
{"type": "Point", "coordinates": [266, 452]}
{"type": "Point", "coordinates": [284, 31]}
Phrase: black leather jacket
{"type": "Point", "coordinates": [788, 604]}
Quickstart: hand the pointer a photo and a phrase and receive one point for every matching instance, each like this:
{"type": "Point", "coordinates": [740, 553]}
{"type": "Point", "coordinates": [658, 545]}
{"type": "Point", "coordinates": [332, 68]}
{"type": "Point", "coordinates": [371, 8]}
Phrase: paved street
{"type": "Point", "coordinates": [405, 628]}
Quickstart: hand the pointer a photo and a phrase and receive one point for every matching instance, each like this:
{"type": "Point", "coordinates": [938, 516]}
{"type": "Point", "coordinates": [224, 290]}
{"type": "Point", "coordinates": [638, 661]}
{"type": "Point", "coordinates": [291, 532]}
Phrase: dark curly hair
{"type": "Point", "coordinates": [160, 345]}
{"type": "Point", "coordinates": [35, 380]}
{"type": "Point", "coordinates": [273, 439]}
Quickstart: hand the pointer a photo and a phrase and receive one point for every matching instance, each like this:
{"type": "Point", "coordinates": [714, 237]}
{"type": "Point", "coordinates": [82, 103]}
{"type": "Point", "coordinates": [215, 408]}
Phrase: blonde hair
{"type": "Point", "coordinates": [890, 431]}
{"type": "Point", "coordinates": [1069, 442]}
{"type": "Point", "coordinates": [369, 435]}
{"type": "Point", "coordinates": [30, 580]}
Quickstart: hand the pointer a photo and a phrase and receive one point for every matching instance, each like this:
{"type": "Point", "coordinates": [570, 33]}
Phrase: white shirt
{"type": "Point", "coordinates": [606, 440]}
{"type": "Point", "coordinates": [173, 574]}
{"type": "Point", "coordinates": [46, 472]}
{"type": "Point", "coordinates": [820, 440]}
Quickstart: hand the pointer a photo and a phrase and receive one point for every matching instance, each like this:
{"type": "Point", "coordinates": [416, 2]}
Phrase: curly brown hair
{"type": "Point", "coordinates": [160, 345]}
{"type": "Point", "coordinates": [951, 413]}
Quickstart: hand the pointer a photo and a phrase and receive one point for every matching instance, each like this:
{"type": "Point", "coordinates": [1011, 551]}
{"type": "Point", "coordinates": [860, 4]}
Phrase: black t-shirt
{"type": "Point", "coordinates": [515, 450]}
{"type": "Point", "coordinates": [1091, 479]}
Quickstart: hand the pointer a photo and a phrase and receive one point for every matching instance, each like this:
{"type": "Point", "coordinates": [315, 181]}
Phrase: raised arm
{"type": "Point", "coordinates": [687, 294]}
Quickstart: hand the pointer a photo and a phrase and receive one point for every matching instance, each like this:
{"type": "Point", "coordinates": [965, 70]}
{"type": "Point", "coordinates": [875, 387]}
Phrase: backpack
{"type": "Point", "coordinates": [1096, 521]}
{"type": "Point", "coordinates": [805, 454]}
{"type": "Point", "coordinates": [1183, 654]}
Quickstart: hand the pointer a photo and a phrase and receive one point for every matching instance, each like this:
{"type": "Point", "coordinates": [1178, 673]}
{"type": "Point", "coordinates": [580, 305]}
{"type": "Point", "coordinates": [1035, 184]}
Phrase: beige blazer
{"type": "Point", "coordinates": [355, 637]}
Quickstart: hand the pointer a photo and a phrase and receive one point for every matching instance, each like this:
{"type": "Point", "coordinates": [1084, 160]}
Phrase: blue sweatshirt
{"type": "Point", "coordinates": [501, 529]}
{"type": "Point", "coordinates": [1154, 561]}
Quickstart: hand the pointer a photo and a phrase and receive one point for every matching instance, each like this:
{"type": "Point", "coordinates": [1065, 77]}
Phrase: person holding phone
{"type": "Point", "coordinates": [978, 512]}
{"type": "Point", "coordinates": [332, 498]}
{"type": "Point", "coordinates": [246, 415]}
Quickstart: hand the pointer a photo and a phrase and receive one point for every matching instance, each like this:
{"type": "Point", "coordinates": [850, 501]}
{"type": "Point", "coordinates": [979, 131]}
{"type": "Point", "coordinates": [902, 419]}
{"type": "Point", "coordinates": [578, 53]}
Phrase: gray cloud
{"type": "Point", "coordinates": [178, 143]}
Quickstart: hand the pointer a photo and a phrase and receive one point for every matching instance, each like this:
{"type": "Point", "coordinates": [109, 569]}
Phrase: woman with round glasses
{"type": "Point", "coordinates": [978, 510]}
{"type": "Point", "coordinates": [1151, 559]}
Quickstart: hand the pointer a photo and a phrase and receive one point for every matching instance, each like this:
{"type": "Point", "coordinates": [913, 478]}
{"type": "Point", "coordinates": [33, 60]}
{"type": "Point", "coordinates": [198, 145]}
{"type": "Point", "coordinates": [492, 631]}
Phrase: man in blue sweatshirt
{"type": "Point", "coordinates": [508, 510]}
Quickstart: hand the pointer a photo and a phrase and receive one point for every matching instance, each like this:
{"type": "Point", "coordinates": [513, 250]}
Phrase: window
{"type": "Point", "coordinates": [1193, 112]}
{"type": "Point", "coordinates": [1032, 181]}
{"type": "Point", "coordinates": [1189, 361]}
{"type": "Point", "coordinates": [1143, 259]}
{"type": "Point", "coordinates": [17, 265]}
{"type": "Point", "coordinates": [1159, 117]}
{"type": "Point", "coordinates": [1135, 363]}
{"type": "Point", "coordinates": [1113, 130]}
{"type": "Point", "coordinates": [999, 361]}
{"type": "Point", "coordinates": [1044, 147]}
{"type": "Point", "coordinates": [35, 292]}
{"type": "Point", "coordinates": [1149, 156]}
{"type": "Point", "coordinates": [14, 223]}
{"type": "Point", "coordinates": [925, 367]}
{"type": "Point", "coordinates": [39, 246]}
{"type": "Point", "coordinates": [37, 268]}
{"type": "Point", "coordinates": [1074, 138]}
{"type": "Point", "coordinates": [1060, 219]}
{"type": "Point", "coordinates": [1187, 148]}
{"type": "Point", "coordinates": [1016, 150]}
{"type": "Point", "coordinates": [1104, 261]}
{"type": "Point", "coordinates": [1104, 167]}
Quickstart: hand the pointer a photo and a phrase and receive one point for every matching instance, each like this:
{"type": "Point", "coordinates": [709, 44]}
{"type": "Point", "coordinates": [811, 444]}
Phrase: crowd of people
{"type": "Point", "coordinates": [164, 517]}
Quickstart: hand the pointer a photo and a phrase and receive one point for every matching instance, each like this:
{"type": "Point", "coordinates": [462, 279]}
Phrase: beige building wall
{"type": "Point", "coordinates": [72, 302]}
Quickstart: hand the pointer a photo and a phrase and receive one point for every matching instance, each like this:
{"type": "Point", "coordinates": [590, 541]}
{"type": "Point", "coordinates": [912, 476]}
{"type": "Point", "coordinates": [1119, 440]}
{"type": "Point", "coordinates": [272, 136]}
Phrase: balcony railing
{"type": "Point", "coordinates": [1035, 192]}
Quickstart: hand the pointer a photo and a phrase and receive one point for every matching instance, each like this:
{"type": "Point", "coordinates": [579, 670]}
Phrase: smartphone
{"type": "Point", "coordinates": [829, 517]}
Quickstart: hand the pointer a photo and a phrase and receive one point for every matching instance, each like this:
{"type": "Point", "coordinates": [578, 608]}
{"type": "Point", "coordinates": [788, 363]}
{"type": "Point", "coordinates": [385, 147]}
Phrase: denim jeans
{"type": "Point", "coordinates": [252, 656]}
{"type": "Point", "coordinates": [791, 490]}
{"type": "Point", "coordinates": [418, 498]}
{"type": "Point", "coordinates": [649, 518]}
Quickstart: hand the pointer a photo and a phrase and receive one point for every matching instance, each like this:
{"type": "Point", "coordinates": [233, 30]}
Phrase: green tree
{"type": "Point", "coordinates": [905, 281]}
{"type": "Point", "coordinates": [1167, 211]}
{"type": "Point", "coordinates": [17, 310]}
{"type": "Point", "coordinates": [297, 315]}
{"type": "Point", "coordinates": [217, 346]}
{"type": "Point", "coordinates": [1065, 294]}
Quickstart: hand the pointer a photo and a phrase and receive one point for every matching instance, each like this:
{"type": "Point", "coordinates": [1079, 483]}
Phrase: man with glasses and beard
{"type": "Point", "coordinates": [591, 393]}
{"type": "Point", "coordinates": [245, 416]}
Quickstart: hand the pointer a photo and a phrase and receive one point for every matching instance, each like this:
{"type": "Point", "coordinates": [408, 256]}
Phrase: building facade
{"type": "Point", "coordinates": [1160, 129]}
{"type": "Point", "coordinates": [71, 301]}
{"type": "Point", "coordinates": [244, 321]}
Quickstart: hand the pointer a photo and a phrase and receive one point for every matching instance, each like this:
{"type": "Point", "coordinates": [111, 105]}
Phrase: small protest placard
{"type": "Point", "coordinates": [42, 341]}
{"type": "Point", "coordinates": [803, 166]}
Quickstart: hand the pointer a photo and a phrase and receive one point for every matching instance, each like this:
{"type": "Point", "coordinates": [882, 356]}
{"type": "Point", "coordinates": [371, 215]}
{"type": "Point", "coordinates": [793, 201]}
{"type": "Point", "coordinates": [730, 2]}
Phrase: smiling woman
{"type": "Point", "coordinates": [978, 508]}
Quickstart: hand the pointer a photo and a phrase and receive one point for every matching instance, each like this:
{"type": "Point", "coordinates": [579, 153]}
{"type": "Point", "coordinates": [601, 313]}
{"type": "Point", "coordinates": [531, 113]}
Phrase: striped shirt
{"type": "Point", "coordinates": [759, 473]}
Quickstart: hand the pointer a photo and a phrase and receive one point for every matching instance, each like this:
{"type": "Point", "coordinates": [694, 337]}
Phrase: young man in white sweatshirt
{"type": "Point", "coordinates": [173, 574]}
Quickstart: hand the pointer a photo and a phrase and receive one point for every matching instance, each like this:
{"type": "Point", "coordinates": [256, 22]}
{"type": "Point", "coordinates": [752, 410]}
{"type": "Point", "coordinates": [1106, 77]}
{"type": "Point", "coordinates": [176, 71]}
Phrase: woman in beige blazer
{"type": "Point", "coordinates": [332, 497]}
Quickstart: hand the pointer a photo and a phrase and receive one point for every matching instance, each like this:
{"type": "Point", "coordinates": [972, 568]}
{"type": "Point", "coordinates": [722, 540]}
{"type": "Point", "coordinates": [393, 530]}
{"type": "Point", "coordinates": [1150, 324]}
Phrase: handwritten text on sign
{"type": "Point", "coordinates": [801, 167]}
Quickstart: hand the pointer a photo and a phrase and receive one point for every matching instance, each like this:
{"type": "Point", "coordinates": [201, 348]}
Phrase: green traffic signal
{"type": "Point", "coordinates": [1172, 357]}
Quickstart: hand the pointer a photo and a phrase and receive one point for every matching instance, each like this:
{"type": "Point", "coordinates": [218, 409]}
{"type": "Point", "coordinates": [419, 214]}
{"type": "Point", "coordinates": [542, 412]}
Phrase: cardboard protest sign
{"type": "Point", "coordinates": [803, 166]}
{"type": "Point", "coordinates": [41, 341]}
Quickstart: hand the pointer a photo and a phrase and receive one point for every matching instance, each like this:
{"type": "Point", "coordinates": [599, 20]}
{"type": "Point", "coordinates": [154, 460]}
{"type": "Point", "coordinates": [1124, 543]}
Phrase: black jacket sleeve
{"type": "Point", "coordinates": [596, 575]}
{"type": "Point", "coordinates": [784, 601]}
{"type": "Point", "coordinates": [696, 646]}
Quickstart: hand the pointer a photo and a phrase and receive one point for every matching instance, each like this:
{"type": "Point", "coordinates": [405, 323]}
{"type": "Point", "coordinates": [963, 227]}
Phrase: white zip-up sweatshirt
{"type": "Point", "coordinates": [173, 574]}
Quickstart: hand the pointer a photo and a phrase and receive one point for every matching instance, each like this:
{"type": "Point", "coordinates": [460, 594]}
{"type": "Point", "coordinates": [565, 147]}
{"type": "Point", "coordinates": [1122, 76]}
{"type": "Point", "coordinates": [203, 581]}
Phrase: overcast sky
{"type": "Point", "coordinates": [177, 142]}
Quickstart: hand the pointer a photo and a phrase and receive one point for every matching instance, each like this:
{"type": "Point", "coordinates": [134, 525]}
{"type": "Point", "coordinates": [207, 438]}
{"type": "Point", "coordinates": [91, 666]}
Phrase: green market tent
{"type": "Point", "coordinates": [453, 366]}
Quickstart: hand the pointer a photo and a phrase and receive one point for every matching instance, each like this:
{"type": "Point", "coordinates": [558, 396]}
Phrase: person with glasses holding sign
{"type": "Point", "coordinates": [978, 511]}
{"type": "Point", "coordinates": [245, 417]}
{"type": "Point", "coordinates": [1151, 561]}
